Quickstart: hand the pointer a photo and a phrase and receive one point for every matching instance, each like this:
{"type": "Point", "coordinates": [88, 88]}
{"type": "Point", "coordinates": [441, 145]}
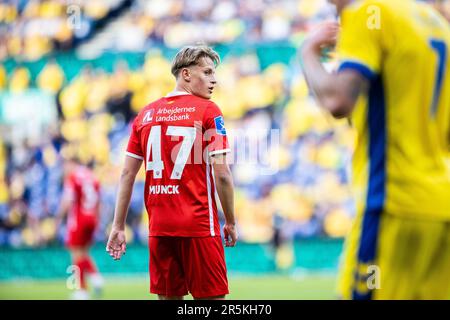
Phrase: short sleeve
{"type": "Point", "coordinates": [134, 149]}
{"type": "Point", "coordinates": [215, 132]}
{"type": "Point", "coordinates": [359, 45]}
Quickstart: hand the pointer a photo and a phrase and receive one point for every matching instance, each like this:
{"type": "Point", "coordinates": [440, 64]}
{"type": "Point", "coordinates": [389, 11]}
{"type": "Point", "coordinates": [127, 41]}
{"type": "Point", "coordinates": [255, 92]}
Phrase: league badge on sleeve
{"type": "Point", "coordinates": [220, 125]}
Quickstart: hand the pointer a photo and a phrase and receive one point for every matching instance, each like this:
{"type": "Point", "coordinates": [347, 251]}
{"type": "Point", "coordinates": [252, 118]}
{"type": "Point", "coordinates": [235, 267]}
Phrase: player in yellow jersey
{"type": "Point", "coordinates": [394, 84]}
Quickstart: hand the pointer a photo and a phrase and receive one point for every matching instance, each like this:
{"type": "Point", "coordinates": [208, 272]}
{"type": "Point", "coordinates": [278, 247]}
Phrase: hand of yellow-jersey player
{"type": "Point", "coordinates": [323, 36]}
{"type": "Point", "coordinates": [117, 244]}
{"type": "Point", "coordinates": [230, 233]}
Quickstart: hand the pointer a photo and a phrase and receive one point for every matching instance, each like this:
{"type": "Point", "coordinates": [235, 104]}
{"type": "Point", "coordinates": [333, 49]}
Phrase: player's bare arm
{"type": "Point", "coordinates": [336, 92]}
{"type": "Point", "coordinates": [224, 185]}
{"type": "Point", "coordinates": [116, 245]}
{"type": "Point", "coordinates": [64, 208]}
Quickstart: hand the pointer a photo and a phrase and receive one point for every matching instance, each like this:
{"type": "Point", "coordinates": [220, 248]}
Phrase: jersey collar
{"type": "Point", "coordinates": [177, 93]}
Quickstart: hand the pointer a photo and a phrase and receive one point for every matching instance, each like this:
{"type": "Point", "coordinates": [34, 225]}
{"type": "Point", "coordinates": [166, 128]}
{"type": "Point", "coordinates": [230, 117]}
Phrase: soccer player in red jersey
{"type": "Point", "coordinates": [81, 204]}
{"type": "Point", "coordinates": [181, 139]}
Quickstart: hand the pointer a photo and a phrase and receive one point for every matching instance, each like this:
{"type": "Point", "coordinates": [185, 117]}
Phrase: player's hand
{"type": "Point", "coordinates": [323, 36]}
{"type": "Point", "coordinates": [117, 244]}
{"type": "Point", "coordinates": [230, 233]}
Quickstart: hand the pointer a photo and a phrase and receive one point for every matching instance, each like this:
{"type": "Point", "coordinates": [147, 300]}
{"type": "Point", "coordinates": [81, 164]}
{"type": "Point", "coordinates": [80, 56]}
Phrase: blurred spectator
{"type": "Point", "coordinates": [3, 79]}
{"type": "Point", "coordinates": [51, 77]}
{"type": "Point", "coordinates": [20, 80]}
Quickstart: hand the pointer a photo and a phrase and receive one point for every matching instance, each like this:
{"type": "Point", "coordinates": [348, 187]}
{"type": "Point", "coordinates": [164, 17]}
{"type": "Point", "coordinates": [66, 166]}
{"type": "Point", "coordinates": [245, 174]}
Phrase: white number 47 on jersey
{"type": "Point", "coordinates": [154, 146]}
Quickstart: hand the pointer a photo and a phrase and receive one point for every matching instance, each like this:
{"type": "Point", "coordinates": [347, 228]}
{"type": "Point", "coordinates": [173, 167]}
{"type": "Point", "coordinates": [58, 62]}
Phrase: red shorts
{"type": "Point", "coordinates": [179, 265]}
{"type": "Point", "coordinates": [82, 234]}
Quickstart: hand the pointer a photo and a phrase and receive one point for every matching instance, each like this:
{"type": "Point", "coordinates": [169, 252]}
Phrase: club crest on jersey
{"type": "Point", "coordinates": [148, 117]}
{"type": "Point", "coordinates": [220, 125]}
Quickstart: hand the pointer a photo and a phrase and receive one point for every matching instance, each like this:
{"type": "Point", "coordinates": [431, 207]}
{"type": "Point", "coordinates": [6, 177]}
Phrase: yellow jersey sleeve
{"type": "Point", "coordinates": [360, 43]}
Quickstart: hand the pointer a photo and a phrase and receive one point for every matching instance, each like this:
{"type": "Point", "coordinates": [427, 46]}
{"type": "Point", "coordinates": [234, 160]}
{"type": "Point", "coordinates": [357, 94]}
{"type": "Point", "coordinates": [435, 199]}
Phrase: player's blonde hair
{"type": "Point", "coordinates": [190, 55]}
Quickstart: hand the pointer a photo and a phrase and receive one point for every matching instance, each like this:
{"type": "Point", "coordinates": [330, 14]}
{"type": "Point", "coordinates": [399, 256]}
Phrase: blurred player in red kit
{"type": "Point", "coordinates": [181, 139]}
{"type": "Point", "coordinates": [81, 204]}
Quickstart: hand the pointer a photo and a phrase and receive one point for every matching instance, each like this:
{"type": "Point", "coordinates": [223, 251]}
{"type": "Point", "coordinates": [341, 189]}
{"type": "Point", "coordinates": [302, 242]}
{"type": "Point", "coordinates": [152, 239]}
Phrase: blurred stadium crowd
{"type": "Point", "coordinates": [298, 186]}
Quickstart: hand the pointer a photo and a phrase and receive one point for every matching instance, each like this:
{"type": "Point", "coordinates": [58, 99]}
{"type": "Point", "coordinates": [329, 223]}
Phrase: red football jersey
{"type": "Point", "coordinates": [83, 188]}
{"type": "Point", "coordinates": [175, 136]}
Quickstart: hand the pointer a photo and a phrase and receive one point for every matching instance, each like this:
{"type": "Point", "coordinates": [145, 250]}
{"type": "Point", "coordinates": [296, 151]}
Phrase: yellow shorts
{"type": "Point", "coordinates": [389, 257]}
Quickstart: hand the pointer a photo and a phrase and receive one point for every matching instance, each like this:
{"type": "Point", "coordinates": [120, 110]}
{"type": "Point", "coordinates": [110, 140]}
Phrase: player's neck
{"type": "Point", "coordinates": [179, 90]}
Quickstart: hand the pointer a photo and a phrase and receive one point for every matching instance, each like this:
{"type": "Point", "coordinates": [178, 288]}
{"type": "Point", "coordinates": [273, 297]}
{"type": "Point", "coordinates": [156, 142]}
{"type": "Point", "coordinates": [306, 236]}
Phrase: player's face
{"type": "Point", "coordinates": [203, 78]}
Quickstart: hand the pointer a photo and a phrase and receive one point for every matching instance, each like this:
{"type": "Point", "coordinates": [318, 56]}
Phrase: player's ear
{"type": "Point", "coordinates": [186, 74]}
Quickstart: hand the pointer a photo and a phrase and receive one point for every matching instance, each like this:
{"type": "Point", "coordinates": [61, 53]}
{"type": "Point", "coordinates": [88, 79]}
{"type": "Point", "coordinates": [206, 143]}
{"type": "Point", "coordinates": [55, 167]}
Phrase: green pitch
{"type": "Point", "coordinates": [241, 287]}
